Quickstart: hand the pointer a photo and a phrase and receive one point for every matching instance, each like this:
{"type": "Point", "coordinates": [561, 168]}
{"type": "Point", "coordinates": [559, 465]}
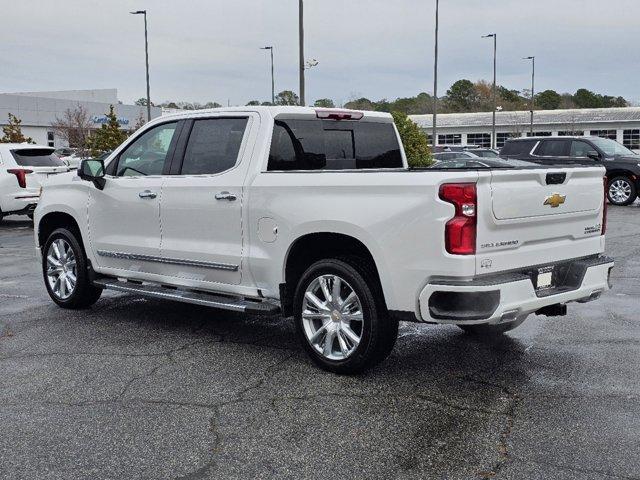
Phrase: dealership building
{"type": "Point", "coordinates": [620, 124]}
{"type": "Point", "coordinates": [38, 110]}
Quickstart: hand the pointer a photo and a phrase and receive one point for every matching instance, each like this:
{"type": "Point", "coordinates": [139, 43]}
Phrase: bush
{"type": "Point", "coordinates": [415, 142]}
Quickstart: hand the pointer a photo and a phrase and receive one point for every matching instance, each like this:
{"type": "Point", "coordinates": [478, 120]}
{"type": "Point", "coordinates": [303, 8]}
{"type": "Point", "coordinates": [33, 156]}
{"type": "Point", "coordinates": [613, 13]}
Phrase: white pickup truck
{"type": "Point", "coordinates": [314, 213]}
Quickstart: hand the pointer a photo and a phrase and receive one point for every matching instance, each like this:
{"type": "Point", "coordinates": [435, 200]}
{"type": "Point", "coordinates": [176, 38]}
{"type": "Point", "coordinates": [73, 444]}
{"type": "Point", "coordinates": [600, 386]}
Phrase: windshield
{"type": "Point", "coordinates": [611, 148]}
{"type": "Point", "coordinates": [36, 157]}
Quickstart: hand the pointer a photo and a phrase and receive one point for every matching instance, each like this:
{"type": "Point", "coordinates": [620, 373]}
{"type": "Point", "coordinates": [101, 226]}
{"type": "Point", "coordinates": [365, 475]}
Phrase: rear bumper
{"type": "Point", "coordinates": [19, 202]}
{"type": "Point", "coordinates": [501, 298]}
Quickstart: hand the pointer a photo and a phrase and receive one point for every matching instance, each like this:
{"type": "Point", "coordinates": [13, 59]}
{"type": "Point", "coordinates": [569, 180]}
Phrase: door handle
{"type": "Point", "coordinates": [147, 194]}
{"type": "Point", "coordinates": [226, 196]}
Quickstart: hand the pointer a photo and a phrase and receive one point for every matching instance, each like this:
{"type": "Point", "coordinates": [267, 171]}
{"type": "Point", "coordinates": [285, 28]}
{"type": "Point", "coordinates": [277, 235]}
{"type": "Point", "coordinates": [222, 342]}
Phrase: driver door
{"type": "Point", "coordinates": [124, 217]}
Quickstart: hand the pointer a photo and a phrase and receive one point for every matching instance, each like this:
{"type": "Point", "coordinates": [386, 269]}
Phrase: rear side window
{"type": "Point", "coordinates": [213, 145]}
{"type": "Point", "coordinates": [36, 157]}
{"type": "Point", "coordinates": [553, 148]}
{"type": "Point", "coordinates": [331, 145]}
{"type": "Point", "coordinates": [517, 147]}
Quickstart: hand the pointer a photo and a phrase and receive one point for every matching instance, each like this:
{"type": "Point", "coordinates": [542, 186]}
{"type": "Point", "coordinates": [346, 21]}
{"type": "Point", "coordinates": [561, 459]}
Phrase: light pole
{"type": "Point", "coordinates": [146, 54]}
{"type": "Point", "coordinates": [301, 44]}
{"type": "Point", "coordinates": [533, 80]}
{"type": "Point", "coordinates": [273, 82]}
{"type": "Point", "coordinates": [493, 92]}
{"type": "Point", "coordinates": [434, 139]}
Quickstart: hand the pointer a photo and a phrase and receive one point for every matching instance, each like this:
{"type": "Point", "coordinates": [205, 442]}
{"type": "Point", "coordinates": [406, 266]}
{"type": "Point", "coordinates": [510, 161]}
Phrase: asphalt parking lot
{"type": "Point", "coordinates": [135, 388]}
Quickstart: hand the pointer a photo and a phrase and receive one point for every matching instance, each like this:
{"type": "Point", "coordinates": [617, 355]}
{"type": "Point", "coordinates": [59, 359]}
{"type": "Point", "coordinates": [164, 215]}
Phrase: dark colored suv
{"type": "Point", "coordinates": [623, 165]}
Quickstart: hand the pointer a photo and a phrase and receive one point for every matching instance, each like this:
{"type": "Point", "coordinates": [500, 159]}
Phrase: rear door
{"type": "Point", "coordinates": [124, 217]}
{"type": "Point", "coordinates": [538, 216]}
{"type": "Point", "coordinates": [201, 212]}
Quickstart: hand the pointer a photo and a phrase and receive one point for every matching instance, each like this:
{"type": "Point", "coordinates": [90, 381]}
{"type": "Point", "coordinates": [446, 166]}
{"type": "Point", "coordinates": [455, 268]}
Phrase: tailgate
{"type": "Point", "coordinates": [538, 216]}
{"type": "Point", "coordinates": [40, 174]}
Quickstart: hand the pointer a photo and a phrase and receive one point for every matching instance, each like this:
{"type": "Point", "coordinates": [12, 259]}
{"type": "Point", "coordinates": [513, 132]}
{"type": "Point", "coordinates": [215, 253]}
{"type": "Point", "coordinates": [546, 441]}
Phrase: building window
{"type": "Point", "coordinates": [480, 139]}
{"type": "Point", "coordinates": [430, 139]}
{"type": "Point", "coordinates": [631, 139]}
{"type": "Point", "coordinates": [50, 139]}
{"type": "Point", "coordinates": [450, 139]}
{"type": "Point", "coordinates": [539, 134]}
{"type": "Point", "coordinates": [502, 137]}
{"type": "Point", "coordinates": [571, 133]}
{"type": "Point", "coordinates": [610, 134]}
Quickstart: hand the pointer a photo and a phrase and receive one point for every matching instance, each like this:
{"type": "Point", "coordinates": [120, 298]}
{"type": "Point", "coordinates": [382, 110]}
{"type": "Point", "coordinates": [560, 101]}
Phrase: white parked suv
{"type": "Point", "coordinates": [313, 213]}
{"type": "Point", "coordinates": [23, 169]}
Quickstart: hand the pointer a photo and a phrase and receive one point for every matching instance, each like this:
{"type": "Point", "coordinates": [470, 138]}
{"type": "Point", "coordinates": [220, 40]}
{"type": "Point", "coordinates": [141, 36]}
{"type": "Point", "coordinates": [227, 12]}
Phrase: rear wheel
{"type": "Point", "coordinates": [64, 267]}
{"type": "Point", "coordinates": [621, 191]}
{"type": "Point", "coordinates": [492, 330]}
{"type": "Point", "coordinates": [341, 318]}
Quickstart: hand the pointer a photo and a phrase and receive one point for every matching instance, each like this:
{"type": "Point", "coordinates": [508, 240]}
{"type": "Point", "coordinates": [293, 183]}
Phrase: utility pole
{"type": "Point", "coordinates": [434, 140]}
{"type": "Point", "coordinates": [301, 42]}
{"type": "Point", "coordinates": [533, 80]}
{"type": "Point", "coordinates": [146, 54]}
{"type": "Point", "coordinates": [273, 82]}
{"type": "Point", "coordinates": [493, 92]}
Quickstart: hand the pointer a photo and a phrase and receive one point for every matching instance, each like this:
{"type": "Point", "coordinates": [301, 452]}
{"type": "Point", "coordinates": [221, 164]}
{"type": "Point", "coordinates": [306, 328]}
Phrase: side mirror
{"type": "Point", "coordinates": [593, 155]}
{"type": "Point", "coordinates": [93, 171]}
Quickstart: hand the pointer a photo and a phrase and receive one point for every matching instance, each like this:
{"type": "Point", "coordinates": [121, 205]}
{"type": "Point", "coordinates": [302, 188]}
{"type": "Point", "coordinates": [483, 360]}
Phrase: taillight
{"type": "Point", "coordinates": [338, 114]}
{"type": "Point", "coordinates": [604, 207]}
{"type": "Point", "coordinates": [460, 231]}
{"type": "Point", "coordinates": [21, 174]}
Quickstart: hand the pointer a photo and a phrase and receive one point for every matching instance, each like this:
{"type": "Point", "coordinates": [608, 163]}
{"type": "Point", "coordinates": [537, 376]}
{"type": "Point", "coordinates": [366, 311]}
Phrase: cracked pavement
{"type": "Point", "coordinates": [137, 388]}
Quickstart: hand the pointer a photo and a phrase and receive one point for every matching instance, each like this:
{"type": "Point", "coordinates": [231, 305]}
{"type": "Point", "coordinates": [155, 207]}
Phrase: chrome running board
{"type": "Point", "coordinates": [236, 304]}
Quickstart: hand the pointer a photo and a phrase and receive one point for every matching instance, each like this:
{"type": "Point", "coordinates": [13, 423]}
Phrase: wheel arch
{"type": "Point", "coordinates": [53, 220]}
{"type": "Point", "coordinates": [308, 248]}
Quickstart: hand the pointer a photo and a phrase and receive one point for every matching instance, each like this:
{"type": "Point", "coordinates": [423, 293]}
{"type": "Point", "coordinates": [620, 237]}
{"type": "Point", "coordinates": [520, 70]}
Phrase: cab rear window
{"type": "Point", "coordinates": [333, 145]}
{"type": "Point", "coordinates": [36, 157]}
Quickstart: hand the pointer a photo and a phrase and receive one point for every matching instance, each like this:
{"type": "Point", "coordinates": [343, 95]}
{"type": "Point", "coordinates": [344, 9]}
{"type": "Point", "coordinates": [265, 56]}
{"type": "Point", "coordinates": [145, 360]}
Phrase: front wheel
{"type": "Point", "coordinates": [341, 318]}
{"type": "Point", "coordinates": [485, 330]}
{"type": "Point", "coordinates": [64, 267]}
{"type": "Point", "coordinates": [621, 191]}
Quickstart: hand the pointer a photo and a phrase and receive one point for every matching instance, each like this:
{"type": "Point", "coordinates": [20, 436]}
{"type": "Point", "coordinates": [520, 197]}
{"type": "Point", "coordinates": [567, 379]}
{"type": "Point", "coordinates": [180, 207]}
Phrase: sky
{"type": "Point", "coordinates": [208, 50]}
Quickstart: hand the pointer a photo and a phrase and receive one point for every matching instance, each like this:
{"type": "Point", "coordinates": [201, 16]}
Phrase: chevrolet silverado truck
{"type": "Point", "coordinates": [315, 214]}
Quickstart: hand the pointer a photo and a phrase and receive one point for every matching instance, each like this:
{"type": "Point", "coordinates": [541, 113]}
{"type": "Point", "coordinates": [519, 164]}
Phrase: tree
{"type": "Point", "coordinates": [74, 127]}
{"type": "Point", "coordinates": [587, 99]}
{"type": "Point", "coordinates": [287, 97]}
{"type": "Point", "coordinates": [360, 104]}
{"type": "Point", "coordinates": [140, 121]}
{"type": "Point", "coordinates": [324, 103]}
{"type": "Point", "coordinates": [548, 100]}
{"type": "Point", "coordinates": [253, 103]}
{"type": "Point", "coordinates": [12, 132]}
{"type": "Point", "coordinates": [108, 136]}
{"type": "Point", "coordinates": [415, 142]}
{"type": "Point", "coordinates": [462, 96]}
{"type": "Point", "coordinates": [143, 102]}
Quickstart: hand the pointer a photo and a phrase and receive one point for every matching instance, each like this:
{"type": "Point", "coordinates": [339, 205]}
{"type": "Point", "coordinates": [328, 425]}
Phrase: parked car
{"type": "Point", "coordinates": [622, 165]}
{"type": "Point", "coordinates": [23, 169]}
{"type": "Point", "coordinates": [314, 213]}
{"type": "Point", "coordinates": [485, 152]}
{"type": "Point", "coordinates": [454, 156]}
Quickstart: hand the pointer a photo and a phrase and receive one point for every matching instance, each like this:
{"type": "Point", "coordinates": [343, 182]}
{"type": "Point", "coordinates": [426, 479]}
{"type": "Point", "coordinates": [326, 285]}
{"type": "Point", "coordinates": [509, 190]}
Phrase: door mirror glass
{"type": "Point", "coordinates": [93, 171]}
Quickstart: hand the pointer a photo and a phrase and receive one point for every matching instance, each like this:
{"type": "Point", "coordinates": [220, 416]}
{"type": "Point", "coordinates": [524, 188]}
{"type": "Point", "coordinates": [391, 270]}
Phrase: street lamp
{"type": "Point", "coordinates": [493, 93]}
{"type": "Point", "coordinates": [301, 48]}
{"type": "Point", "coordinates": [146, 54]}
{"type": "Point", "coordinates": [533, 79]}
{"type": "Point", "coordinates": [273, 83]}
{"type": "Point", "coordinates": [434, 140]}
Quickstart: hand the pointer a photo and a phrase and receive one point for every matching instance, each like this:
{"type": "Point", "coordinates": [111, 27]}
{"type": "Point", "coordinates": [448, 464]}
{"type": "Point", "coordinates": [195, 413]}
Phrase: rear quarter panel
{"type": "Point", "coordinates": [397, 215]}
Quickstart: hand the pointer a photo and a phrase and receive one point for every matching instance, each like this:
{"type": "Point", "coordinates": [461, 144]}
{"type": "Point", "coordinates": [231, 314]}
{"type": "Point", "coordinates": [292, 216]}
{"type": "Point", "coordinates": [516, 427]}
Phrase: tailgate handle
{"type": "Point", "coordinates": [556, 178]}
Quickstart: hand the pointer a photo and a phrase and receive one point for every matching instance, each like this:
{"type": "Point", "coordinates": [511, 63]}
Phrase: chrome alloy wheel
{"type": "Point", "coordinates": [61, 269]}
{"type": "Point", "coordinates": [620, 191]}
{"type": "Point", "coordinates": [332, 317]}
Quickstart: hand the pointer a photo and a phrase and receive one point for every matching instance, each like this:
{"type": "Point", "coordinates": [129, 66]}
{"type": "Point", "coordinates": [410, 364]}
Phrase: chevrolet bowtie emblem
{"type": "Point", "coordinates": [555, 200]}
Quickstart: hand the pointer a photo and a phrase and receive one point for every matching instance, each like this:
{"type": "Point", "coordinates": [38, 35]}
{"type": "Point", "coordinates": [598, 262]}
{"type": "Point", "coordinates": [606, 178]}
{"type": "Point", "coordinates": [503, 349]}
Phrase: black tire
{"type": "Point", "coordinates": [379, 331]}
{"type": "Point", "coordinates": [628, 185]}
{"type": "Point", "coordinates": [492, 330]}
{"type": "Point", "coordinates": [85, 293]}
